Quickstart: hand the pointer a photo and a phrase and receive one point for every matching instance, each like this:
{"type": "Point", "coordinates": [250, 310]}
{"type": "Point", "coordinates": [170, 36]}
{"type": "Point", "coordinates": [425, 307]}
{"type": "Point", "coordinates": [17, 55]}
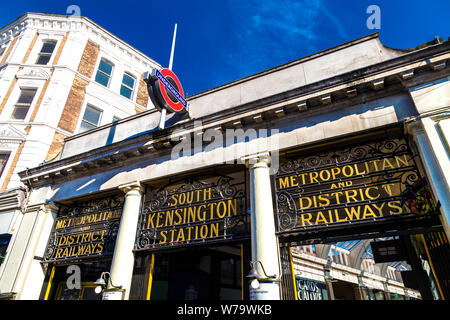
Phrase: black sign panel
{"type": "Point", "coordinates": [85, 230]}
{"type": "Point", "coordinates": [198, 211]}
{"type": "Point", "coordinates": [355, 184]}
{"type": "Point", "coordinates": [388, 251]}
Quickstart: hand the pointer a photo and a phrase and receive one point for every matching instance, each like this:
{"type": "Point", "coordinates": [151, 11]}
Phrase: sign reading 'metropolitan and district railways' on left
{"type": "Point", "coordinates": [84, 230]}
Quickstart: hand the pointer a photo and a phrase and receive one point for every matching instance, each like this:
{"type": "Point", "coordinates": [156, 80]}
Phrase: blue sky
{"type": "Point", "coordinates": [219, 41]}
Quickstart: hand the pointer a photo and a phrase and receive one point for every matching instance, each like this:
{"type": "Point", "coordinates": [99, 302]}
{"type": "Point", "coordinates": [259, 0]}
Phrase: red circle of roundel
{"type": "Point", "coordinates": [178, 106]}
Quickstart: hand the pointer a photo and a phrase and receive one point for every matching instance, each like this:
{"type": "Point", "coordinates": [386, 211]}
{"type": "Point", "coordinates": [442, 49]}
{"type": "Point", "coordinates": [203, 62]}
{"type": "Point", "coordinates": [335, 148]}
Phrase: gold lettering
{"type": "Point", "coordinates": [163, 235]}
{"type": "Point", "coordinates": [294, 182]}
{"type": "Point", "coordinates": [368, 193]}
{"type": "Point", "coordinates": [335, 172]}
{"type": "Point", "coordinates": [322, 197]}
{"type": "Point", "coordinates": [348, 196]}
{"type": "Point", "coordinates": [354, 212]}
{"type": "Point", "coordinates": [150, 221]}
{"type": "Point", "coordinates": [224, 210]}
{"type": "Point", "coordinates": [387, 188]}
{"type": "Point", "coordinates": [306, 220]}
{"type": "Point", "coordinates": [180, 235]}
{"type": "Point", "coordinates": [182, 198]}
{"type": "Point", "coordinates": [320, 218]}
{"type": "Point", "coordinates": [284, 182]}
{"type": "Point", "coordinates": [313, 179]}
{"type": "Point", "coordinates": [379, 208]}
{"type": "Point", "coordinates": [207, 194]}
{"type": "Point", "coordinates": [386, 164]}
{"type": "Point", "coordinates": [58, 253]}
{"type": "Point", "coordinates": [180, 219]}
{"type": "Point", "coordinates": [368, 212]}
{"type": "Point", "coordinates": [357, 171]}
{"type": "Point", "coordinates": [395, 205]}
{"type": "Point", "coordinates": [214, 230]}
{"type": "Point", "coordinates": [401, 161]}
{"type": "Point", "coordinates": [347, 174]}
{"type": "Point", "coordinates": [336, 214]}
{"type": "Point", "coordinates": [302, 207]}
{"type": "Point", "coordinates": [232, 207]}
{"type": "Point", "coordinates": [325, 178]}
{"type": "Point", "coordinates": [169, 218]}
{"type": "Point", "coordinates": [203, 231]}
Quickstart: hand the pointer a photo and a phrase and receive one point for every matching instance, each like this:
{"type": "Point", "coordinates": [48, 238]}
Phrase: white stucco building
{"type": "Point", "coordinates": [59, 75]}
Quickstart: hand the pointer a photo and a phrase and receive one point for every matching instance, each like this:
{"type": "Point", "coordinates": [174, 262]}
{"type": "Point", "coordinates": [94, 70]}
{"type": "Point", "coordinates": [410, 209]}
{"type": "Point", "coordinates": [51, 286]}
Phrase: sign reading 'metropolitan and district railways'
{"type": "Point", "coordinates": [85, 230]}
{"type": "Point", "coordinates": [360, 183]}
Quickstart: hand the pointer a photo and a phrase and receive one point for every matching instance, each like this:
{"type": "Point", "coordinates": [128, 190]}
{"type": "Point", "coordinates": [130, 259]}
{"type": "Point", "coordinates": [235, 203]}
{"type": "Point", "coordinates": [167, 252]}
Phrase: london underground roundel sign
{"type": "Point", "coordinates": [165, 90]}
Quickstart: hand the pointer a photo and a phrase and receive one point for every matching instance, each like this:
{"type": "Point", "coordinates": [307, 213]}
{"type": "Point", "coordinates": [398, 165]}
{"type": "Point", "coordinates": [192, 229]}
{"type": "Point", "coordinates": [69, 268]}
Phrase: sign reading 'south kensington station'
{"type": "Point", "coordinates": [198, 211]}
{"type": "Point", "coordinates": [85, 230]}
{"type": "Point", "coordinates": [363, 182]}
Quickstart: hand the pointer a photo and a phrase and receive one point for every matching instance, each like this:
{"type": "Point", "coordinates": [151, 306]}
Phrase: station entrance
{"type": "Point", "coordinates": [214, 273]}
{"type": "Point", "coordinates": [369, 193]}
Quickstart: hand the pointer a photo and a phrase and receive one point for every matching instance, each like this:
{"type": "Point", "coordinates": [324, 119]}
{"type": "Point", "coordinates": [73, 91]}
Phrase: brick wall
{"type": "Point", "coordinates": [56, 146]}
{"type": "Point", "coordinates": [74, 103]}
{"type": "Point", "coordinates": [142, 94]}
{"type": "Point", "coordinates": [89, 59]}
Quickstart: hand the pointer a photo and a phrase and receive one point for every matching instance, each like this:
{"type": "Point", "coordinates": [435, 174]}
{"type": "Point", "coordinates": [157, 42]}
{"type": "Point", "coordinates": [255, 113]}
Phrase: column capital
{"type": "Point", "coordinates": [51, 206]}
{"type": "Point", "coordinates": [257, 160]}
{"type": "Point", "coordinates": [132, 188]}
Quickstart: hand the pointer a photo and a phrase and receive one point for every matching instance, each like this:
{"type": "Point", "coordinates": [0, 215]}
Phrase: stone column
{"type": "Point", "coordinates": [432, 143]}
{"type": "Point", "coordinates": [263, 240]}
{"type": "Point", "coordinates": [123, 258]}
{"type": "Point", "coordinates": [23, 272]}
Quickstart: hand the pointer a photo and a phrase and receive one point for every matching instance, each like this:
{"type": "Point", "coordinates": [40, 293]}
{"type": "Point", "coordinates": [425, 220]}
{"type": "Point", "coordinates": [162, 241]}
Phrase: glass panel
{"type": "Point", "coordinates": [89, 294]}
{"type": "Point", "coordinates": [20, 113]}
{"type": "Point", "coordinates": [105, 66]}
{"type": "Point", "coordinates": [92, 115]}
{"type": "Point", "coordinates": [102, 79]}
{"type": "Point", "coordinates": [85, 126]}
{"type": "Point", "coordinates": [43, 59]}
{"type": "Point", "coordinates": [3, 160]}
{"type": "Point", "coordinates": [48, 47]}
{"type": "Point", "coordinates": [124, 91]}
{"type": "Point", "coordinates": [26, 96]}
{"type": "Point", "coordinates": [227, 272]}
{"type": "Point", "coordinates": [128, 81]}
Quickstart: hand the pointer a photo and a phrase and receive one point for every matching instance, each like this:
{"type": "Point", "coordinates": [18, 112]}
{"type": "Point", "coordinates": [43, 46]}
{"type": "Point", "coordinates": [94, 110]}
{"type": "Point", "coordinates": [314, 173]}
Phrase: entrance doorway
{"type": "Point", "coordinates": [198, 274]}
{"type": "Point", "coordinates": [400, 267]}
{"type": "Point", "coordinates": [73, 282]}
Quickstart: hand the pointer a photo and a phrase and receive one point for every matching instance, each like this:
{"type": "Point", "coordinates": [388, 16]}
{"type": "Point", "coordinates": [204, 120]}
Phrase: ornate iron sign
{"type": "Point", "coordinates": [85, 230]}
{"type": "Point", "coordinates": [199, 211]}
{"type": "Point", "coordinates": [349, 185]}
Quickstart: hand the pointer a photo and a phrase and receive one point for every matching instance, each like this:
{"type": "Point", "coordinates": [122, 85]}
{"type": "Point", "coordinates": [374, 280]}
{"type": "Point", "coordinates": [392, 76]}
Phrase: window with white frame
{"type": "Point", "coordinates": [104, 72]}
{"type": "Point", "coordinates": [46, 52]}
{"type": "Point", "coordinates": [23, 104]}
{"type": "Point", "coordinates": [127, 87]}
{"type": "Point", "coordinates": [91, 118]}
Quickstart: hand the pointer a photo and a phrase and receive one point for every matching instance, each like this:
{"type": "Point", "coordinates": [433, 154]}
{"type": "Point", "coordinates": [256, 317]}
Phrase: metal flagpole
{"type": "Point", "coordinates": [162, 120]}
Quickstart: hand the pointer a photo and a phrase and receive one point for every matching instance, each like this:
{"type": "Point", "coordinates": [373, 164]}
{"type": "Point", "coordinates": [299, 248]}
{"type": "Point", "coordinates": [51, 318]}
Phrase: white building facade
{"type": "Point", "coordinates": [350, 143]}
{"type": "Point", "coordinates": [59, 76]}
